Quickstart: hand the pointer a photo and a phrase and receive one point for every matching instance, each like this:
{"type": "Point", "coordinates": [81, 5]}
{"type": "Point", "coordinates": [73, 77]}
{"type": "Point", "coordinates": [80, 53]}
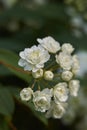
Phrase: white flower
{"type": "Point", "coordinates": [33, 58]}
{"type": "Point", "coordinates": [41, 99]}
{"type": "Point", "coordinates": [38, 74]}
{"type": "Point", "coordinates": [64, 60]}
{"type": "Point", "coordinates": [56, 110]}
{"type": "Point", "coordinates": [74, 87]}
{"type": "Point", "coordinates": [49, 44]}
{"type": "Point", "coordinates": [67, 48]}
{"type": "Point", "coordinates": [60, 92]}
{"type": "Point", "coordinates": [67, 75]}
{"type": "Point", "coordinates": [26, 94]}
{"type": "Point", "coordinates": [76, 64]}
{"type": "Point", "coordinates": [48, 75]}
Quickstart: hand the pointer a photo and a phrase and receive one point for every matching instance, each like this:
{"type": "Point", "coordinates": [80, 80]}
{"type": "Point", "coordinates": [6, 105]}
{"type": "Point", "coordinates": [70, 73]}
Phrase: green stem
{"type": "Point", "coordinates": [56, 75]}
{"type": "Point", "coordinates": [45, 83]}
{"type": "Point", "coordinates": [33, 84]}
{"type": "Point", "coordinates": [50, 65]}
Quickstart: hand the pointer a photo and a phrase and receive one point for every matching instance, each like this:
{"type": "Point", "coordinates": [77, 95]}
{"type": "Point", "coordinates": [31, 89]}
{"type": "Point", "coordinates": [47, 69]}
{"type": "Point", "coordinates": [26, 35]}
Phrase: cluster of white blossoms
{"type": "Point", "coordinates": [53, 68]}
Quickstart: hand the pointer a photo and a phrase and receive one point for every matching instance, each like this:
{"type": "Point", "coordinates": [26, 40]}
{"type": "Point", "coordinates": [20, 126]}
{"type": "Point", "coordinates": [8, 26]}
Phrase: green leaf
{"type": "Point", "coordinates": [39, 115]}
{"type": "Point", "coordinates": [11, 44]}
{"type": "Point", "coordinates": [4, 71]}
{"type": "Point", "coordinates": [10, 60]}
{"type": "Point", "coordinates": [6, 102]}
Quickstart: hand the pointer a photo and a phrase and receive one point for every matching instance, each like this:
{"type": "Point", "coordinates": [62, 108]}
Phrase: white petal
{"type": "Point", "coordinates": [22, 62]}
{"type": "Point", "coordinates": [22, 55]}
{"type": "Point", "coordinates": [28, 67]}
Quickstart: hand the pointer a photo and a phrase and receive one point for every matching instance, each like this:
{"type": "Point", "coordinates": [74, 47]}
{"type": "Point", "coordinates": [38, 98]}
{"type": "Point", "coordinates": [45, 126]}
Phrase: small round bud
{"type": "Point", "coordinates": [67, 75]}
{"type": "Point", "coordinates": [38, 74]}
{"type": "Point", "coordinates": [48, 75]}
{"type": "Point", "coordinates": [26, 94]}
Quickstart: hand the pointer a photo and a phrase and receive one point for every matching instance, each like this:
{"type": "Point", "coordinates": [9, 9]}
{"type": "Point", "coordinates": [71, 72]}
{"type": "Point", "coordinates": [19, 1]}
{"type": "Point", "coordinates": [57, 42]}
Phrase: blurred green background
{"type": "Point", "coordinates": [21, 23]}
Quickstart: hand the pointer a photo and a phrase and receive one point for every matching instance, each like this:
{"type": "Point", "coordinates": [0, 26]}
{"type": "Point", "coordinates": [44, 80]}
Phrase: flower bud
{"type": "Point", "coordinates": [26, 94]}
{"type": "Point", "coordinates": [38, 74]}
{"type": "Point", "coordinates": [48, 75]}
{"type": "Point", "coordinates": [67, 75]}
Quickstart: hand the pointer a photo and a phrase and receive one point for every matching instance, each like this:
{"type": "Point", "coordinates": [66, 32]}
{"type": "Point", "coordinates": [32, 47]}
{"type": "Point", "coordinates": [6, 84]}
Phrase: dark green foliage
{"type": "Point", "coordinates": [20, 25]}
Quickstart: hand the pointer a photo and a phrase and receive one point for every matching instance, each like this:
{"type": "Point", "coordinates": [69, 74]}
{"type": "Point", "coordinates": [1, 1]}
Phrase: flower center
{"type": "Point", "coordinates": [35, 56]}
{"type": "Point", "coordinates": [42, 101]}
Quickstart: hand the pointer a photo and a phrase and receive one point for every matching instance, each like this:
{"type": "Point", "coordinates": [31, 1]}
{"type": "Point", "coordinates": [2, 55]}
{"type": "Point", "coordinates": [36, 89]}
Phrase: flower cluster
{"type": "Point", "coordinates": [53, 68]}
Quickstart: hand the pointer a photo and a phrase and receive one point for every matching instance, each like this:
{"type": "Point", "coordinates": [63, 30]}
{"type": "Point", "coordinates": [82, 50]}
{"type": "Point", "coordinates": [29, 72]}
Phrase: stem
{"type": "Point", "coordinates": [45, 83]}
{"type": "Point", "coordinates": [38, 86]}
{"type": "Point", "coordinates": [50, 65]}
{"type": "Point", "coordinates": [54, 68]}
{"type": "Point", "coordinates": [14, 68]}
{"type": "Point", "coordinates": [33, 84]}
{"type": "Point", "coordinates": [56, 75]}
{"type": "Point", "coordinates": [11, 125]}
